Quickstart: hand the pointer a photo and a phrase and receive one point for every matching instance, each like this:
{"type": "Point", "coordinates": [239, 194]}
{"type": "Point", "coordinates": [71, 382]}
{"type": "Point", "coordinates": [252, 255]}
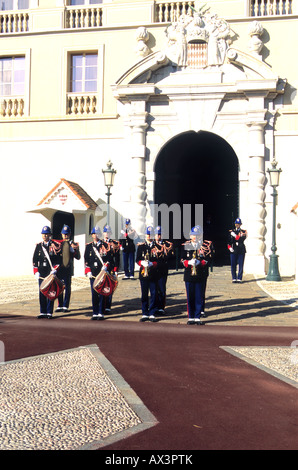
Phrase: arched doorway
{"type": "Point", "coordinates": [200, 168]}
{"type": "Point", "coordinates": [61, 218]}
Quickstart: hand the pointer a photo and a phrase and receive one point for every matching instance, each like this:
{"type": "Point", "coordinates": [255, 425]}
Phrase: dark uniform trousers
{"type": "Point", "coordinates": [237, 257]}
{"type": "Point", "coordinates": [116, 256]}
{"type": "Point", "coordinates": [149, 283]}
{"type": "Point", "coordinates": [163, 254]}
{"type": "Point", "coordinates": [195, 298]}
{"type": "Point", "coordinates": [128, 254]}
{"type": "Point", "coordinates": [195, 285]}
{"type": "Point", "coordinates": [41, 264]}
{"type": "Point", "coordinates": [65, 274]}
{"type": "Point", "coordinates": [46, 305]}
{"type": "Point", "coordinates": [92, 263]}
{"type": "Point", "coordinates": [98, 301]}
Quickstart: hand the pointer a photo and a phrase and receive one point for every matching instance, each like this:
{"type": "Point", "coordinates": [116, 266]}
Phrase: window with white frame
{"type": "Point", "coordinates": [12, 76]}
{"type": "Point", "coordinates": [83, 73]}
{"type": "Point", "coordinates": [14, 4]}
{"type": "Point", "coordinates": [84, 2]}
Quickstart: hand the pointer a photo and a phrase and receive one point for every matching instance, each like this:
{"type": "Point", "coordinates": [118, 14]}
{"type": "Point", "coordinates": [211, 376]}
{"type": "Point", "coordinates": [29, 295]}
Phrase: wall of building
{"type": "Point", "coordinates": [45, 145]}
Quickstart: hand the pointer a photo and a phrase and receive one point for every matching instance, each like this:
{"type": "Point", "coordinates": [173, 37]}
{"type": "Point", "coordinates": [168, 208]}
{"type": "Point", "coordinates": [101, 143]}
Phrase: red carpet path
{"type": "Point", "coordinates": [202, 397]}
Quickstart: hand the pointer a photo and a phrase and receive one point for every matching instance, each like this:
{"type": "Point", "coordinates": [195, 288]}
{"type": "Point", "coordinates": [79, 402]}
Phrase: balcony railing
{"type": "Point", "coordinates": [14, 22]}
{"type": "Point", "coordinates": [271, 7]}
{"type": "Point", "coordinates": [86, 17]}
{"type": "Point", "coordinates": [81, 104]}
{"type": "Point", "coordinates": [11, 107]}
{"type": "Point", "coordinates": [169, 11]}
{"type": "Point", "coordinates": [166, 11]}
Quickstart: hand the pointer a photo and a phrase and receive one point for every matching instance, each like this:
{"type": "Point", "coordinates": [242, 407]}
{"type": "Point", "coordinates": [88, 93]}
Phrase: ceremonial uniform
{"type": "Point", "coordinates": [46, 259]}
{"type": "Point", "coordinates": [115, 251]}
{"type": "Point", "coordinates": [93, 266]}
{"type": "Point", "coordinates": [162, 251]}
{"type": "Point", "coordinates": [146, 259]}
{"type": "Point", "coordinates": [237, 249]}
{"type": "Point", "coordinates": [128, 248]}
{"type": "Point", "coordinates": [195, 263]}
{"type": "Point", "coordinates": [69, 252]}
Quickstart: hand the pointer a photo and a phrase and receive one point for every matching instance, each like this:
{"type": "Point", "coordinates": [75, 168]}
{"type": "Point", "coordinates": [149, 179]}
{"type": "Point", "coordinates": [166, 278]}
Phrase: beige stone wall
{"type": "Point", "coordinates": [46, 143]}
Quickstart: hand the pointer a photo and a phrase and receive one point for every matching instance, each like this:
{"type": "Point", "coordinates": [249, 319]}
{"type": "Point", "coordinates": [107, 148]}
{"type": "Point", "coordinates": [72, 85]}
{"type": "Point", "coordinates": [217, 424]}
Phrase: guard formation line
{"type": "Point", "coordinates": [53, 263]}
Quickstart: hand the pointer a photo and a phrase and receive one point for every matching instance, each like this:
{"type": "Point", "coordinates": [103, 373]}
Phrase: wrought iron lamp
{"type": "Point", "coordinates": [109, 176]}
{"type": "Point", "coordinates": [273, 271]}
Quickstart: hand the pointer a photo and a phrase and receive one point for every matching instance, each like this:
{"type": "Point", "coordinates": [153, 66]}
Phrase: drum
{"type": "Point", "coordinates": [51, 287]}
{"type": "Point", "coordinates": [105, 283]}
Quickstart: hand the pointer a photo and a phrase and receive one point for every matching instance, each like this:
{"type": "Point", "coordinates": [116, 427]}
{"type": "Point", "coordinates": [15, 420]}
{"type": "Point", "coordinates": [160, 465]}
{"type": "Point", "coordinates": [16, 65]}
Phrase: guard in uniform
{"type": "Point", "coordinates": [237, 249]}
{"type": "Point", "coordinates": [163, 250]}
{"type": "Point", "coordinates": [69, 251]}
{"type": "Point", "coordinates": [93, 265]}
{"type": "Point", "coordinates": [128, 234]}
{"type": "Point", "coordinates": [195, 274]}
{"type": "Point", "coordinates": [115, 249]}
{"type": "Point", "coordinates": [46, 259]}
{"type": "Point", "coordinates": [146, 259]}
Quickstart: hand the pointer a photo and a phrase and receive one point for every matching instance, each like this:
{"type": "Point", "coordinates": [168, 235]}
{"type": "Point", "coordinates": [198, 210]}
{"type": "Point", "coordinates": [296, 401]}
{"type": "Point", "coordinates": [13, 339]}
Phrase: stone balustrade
{"type": "Point", "coordinates": [14, 22]}
{"type": "Point", "coordinates": [168, 12]}
{"type": "Point", "coordinates": [11, 107]}
{"type": "Point", "coordinates": [83, 17]}
{"type": "Point", "coordinates": [81, 104]}
{"type": "Point", "coordinates": [271, 7]}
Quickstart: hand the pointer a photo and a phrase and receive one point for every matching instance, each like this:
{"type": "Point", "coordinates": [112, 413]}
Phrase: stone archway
{"type": "Point", "coordinates": [162, 96]}
{"type": "Point", "coordinates": [199, 168]}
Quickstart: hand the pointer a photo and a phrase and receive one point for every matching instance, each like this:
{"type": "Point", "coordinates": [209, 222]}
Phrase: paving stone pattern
{"type": "Point", "coordinates": [60, 401]}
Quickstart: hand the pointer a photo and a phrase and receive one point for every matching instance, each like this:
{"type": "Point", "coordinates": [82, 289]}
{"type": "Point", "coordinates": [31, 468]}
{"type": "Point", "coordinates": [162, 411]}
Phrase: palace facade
{"type": "Point", "coordinates": [192, 102]}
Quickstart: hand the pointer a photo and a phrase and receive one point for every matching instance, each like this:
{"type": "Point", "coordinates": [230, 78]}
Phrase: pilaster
{"type": "Point", "coordinates": [137, 151]}
{"type": "Point", "coordinates": [255, 223]}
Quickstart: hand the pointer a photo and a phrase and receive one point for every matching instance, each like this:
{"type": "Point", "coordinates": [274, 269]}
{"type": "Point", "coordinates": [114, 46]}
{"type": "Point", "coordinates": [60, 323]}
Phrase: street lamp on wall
{"type": "Point", "coordinates": [273, 271]}
{"type": "Point", "coordinates": [109, 176]}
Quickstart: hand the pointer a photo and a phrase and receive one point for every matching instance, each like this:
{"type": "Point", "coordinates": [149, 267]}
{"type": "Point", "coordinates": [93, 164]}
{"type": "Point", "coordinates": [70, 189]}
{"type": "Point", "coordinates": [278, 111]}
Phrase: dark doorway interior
{"type": "Point", "coordinates": [201, 168]}
{"type": "Point", "coordinates": [62, 218]}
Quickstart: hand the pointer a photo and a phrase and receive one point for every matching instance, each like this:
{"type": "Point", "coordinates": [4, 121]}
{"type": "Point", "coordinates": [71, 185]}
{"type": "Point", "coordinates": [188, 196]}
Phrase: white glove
{"type": "Point", "coordinates": [194, 262]}
{"type": "Point", "coordinates": [37, 275]}
{"type": "Point", "coordinates": [233, 234]}
{"type": "Point", "coordinates": [53, 271]}
{"type": "Point", "coordinates": [89, 274]}
{"type": "Point", "coordinates": [145, 263]}
{"type": "Point", "coordinates": [231, 250]}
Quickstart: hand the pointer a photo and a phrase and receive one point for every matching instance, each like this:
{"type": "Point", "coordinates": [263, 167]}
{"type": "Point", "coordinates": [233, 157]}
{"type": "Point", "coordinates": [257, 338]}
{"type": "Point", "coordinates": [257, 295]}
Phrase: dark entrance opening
{"type": "Point", "coordinates": [200, 168]}
{"type": "Point", "coordinates": [62, 218]}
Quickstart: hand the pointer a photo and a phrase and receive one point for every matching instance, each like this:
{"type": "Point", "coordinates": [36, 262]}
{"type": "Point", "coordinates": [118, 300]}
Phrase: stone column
{"type": "Point", "coordinates": [137, 152]}
{"type": "Point", "coordinates": [255, 222]}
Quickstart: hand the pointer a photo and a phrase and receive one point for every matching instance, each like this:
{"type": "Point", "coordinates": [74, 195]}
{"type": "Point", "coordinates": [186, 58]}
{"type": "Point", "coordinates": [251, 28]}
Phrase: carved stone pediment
{"type": "Point", "coordinates": [199, 28]}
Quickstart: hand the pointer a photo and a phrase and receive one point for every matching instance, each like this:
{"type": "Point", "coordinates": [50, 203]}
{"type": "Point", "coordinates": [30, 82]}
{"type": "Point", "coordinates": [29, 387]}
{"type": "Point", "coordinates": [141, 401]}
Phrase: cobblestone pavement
{"type": "Point", "coordinates": [66, 401]}
{"type": "Point", "coordinates": [253, 302]}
